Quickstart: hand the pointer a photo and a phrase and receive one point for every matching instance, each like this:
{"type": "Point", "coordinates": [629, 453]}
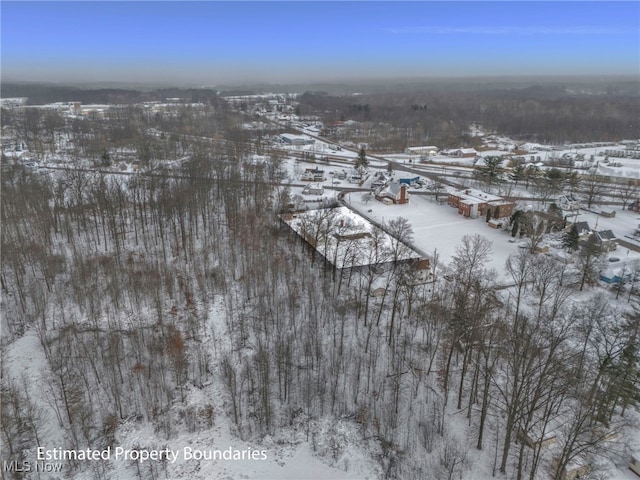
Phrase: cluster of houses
{"type": "Point", "coordinates": [474, 203]}
{"type": "Point", "coordinates": [75, 109]}
{"type": "Point", "coordinates": [69, 109]}
{"type": "Point", "coordinates": [13, 102]}
{"type": "Point", "coordinates": [632, 151]}
{"type": "Point", "coordinates": [317, 175]}
{"type": "Point", "coordinates": [617, 270]}
{"type": "Point", "coordinates": [605, 239]}
{"type": "Point", "coordinates": [274, 105]}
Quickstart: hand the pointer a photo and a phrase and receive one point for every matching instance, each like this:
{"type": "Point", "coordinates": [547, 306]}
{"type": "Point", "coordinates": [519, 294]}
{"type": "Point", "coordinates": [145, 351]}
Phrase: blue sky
{"type": "Point", "coordinates": [214, 42]}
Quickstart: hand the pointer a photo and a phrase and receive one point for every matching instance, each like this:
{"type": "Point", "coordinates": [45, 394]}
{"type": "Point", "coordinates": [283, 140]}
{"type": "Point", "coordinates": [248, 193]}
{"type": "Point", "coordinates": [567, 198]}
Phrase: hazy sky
{"type": "Point", "coordinates": [213, 42]}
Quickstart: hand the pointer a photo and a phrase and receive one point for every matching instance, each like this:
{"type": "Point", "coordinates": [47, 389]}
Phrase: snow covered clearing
{"type": "Point", "coordinates": [438, 228]}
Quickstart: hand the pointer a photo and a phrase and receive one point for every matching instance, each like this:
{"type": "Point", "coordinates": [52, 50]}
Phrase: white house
{"type": "Point", "coordinates": [568, 203]}
{"type": "Point", "coordinates": [313, 189]}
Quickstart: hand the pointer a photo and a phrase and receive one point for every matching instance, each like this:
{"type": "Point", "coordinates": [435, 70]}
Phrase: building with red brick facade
{"type": "Point", "coordinates": [474, 203]}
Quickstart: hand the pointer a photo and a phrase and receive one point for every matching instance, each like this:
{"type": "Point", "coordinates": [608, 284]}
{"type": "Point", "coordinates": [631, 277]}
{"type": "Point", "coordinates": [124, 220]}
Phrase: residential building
{"type": "Point", "coordinates": [313, 175]}
{"type": "Point", "coordinates": [584, 230]}
{"type": "Point", "coordinates": [606, 240]}
{"type": "Point", "coordinates": [462, 153]}
{"type": "Point", "coordinates": [568, 203]}
{"type": "Point", "coordinates": [395, 192]}
{"type": "Point", "coordinates": [313, 189]}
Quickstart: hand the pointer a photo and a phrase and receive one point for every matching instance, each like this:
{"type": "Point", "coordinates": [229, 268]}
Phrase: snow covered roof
{"type": "Point", "coordinates": [606, 235]}
{"type": "Point", "coordinates": [469, 200]}
{"type": "Point", "coordinates": [392, 187]}
{"type": "Point", "coordinates": [476, 196]}
{"type": "Point", "coordinates": [583, 228]}
{"type": "Point", "coordinates": [291, 136]}
{"type": "Point", "coordinates": [615, 274]}
{"type": "Point", "coordinates": [296, 139]}
{"type": "Point", "coordinates": [460, 151]}
{"type": "Point", "coordinates": [345, 239]}
{"type": "Point", "coordinates": [428, 148]}
{"type": "Point", "coordinates": [567, 198]}
{"type": "Point", "coordinates": [314, 188]}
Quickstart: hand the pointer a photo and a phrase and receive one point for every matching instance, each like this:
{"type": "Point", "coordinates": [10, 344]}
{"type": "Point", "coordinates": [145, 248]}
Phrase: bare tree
{"type": "Point", "coordinates": [628, 190]}
{"type": "Point", "coordinates": [536, 225]}
{"type": "Point", "coordinates": [591, 189]}
{"type": "Point", "coordinates": [588, 260]}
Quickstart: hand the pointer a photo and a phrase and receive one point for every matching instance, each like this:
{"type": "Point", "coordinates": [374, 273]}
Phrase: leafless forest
{"type": "Point", "coordinates": [141, 288]}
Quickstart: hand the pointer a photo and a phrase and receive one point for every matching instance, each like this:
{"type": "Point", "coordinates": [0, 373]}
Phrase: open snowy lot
{"type": "Point", "coordinates": [438, 227]}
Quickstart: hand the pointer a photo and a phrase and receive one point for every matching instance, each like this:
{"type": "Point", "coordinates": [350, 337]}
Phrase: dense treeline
{"type": "Point", "coordinates": [443, 117]}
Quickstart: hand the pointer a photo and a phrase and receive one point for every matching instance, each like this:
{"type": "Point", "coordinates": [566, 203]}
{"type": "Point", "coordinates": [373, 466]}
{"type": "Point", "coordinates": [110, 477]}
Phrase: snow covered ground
{"type": "Point", "coordinates": [326, 450]}
{"type": "Point", "coordinates": [438, 227]}
{"type": "Point", "coordinates": [288, 457]}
